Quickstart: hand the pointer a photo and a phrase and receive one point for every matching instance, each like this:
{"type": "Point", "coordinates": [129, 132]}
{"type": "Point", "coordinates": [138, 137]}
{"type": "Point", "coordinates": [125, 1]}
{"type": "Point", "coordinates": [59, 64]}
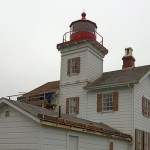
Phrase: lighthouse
{"type": "Point", "coordinates": [82, 52]}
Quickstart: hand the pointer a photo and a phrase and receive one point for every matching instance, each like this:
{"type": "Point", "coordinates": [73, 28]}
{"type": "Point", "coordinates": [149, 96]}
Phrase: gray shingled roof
{"type": "Point", "coordinates": [51, 116]}
{"type": "Point", "coordinates": [119, 77]}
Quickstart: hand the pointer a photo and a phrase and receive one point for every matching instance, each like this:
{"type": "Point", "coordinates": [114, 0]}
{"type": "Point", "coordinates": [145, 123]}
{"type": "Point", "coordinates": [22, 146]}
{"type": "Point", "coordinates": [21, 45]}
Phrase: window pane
{"type": "Point", "coordinates": [74, 65]}
{"type": "Point", "coordinates": [72, 103]}
{"type": "Point", "coordinates": [107, 102]}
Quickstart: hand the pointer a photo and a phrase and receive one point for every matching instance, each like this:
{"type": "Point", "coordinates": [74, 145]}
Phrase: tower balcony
{"type": "Point", "coordinates": [82, 34]}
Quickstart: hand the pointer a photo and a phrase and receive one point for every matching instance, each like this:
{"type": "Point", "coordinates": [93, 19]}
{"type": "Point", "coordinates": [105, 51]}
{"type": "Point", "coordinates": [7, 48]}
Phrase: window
{"type": "Point", "coordinates": [146, 136]}
{"type": "Point", "coordinates": [107, 102]}
{"type": "Point", "coordinates": [139, 140]}
{"type": "Point", "coordinates": [72, 105]}
{"type": "Point", "coordinates": [142, 140]}
{"type": "Point", "coordinates": [73, 66]}
{"type": "Point", "coordinates": [145, 107]}
{"type": "Point", "coordinates": [7, 113]}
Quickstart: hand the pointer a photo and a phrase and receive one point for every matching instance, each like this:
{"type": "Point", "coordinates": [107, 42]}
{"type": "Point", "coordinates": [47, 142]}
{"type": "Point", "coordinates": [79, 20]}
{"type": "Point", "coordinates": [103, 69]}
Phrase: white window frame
{"type": "Point", "coordinates": [73, 66]}
{"type": "Point", "coordinates": [107, 102]}
{"type": "Point", "coordinates": [72, 105]}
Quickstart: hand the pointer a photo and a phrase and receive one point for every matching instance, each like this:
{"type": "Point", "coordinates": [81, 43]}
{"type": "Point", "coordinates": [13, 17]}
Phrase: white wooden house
{"type": "Point", "coordinates": [116, 101]}
{"type": "Point", "coordinates": [28, 127]}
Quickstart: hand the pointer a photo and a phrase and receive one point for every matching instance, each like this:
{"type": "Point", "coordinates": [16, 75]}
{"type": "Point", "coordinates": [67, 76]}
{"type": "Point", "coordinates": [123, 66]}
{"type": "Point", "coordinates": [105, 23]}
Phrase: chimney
{"type": "Point", "coordinates": [128, 59]}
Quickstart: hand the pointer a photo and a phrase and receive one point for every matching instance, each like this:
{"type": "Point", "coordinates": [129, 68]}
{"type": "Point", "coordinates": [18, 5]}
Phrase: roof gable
{"type": "Point", "coordinates": [19, 107]}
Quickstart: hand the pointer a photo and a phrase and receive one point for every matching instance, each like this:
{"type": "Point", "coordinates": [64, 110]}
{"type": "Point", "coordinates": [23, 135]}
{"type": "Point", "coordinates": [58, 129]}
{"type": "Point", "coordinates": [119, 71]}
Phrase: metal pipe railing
{"type": "Point", "coordinates": [99, 38]}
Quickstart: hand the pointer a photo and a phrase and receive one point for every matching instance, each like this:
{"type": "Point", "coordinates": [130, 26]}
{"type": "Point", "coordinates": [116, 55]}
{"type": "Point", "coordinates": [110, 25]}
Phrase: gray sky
{"type": "Point", "coordinates": [31, 29]}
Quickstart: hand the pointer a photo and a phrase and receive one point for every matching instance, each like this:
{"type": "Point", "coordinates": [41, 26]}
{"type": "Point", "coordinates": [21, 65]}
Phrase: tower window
{"type": "Point", "coordinates": [73, 66]}
{"type": "Point", "coordinates": [72, 105]}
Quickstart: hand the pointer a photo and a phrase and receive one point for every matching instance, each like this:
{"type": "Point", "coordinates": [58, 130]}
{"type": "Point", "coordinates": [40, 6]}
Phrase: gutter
{"type": "Point", "coordinates": [108, 86]}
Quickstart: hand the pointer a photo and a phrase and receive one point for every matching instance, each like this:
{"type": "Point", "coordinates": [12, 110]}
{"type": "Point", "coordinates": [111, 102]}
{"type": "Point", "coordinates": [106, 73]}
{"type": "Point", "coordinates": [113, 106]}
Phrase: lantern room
{"type": "Point", "coordinates": [82, 28]}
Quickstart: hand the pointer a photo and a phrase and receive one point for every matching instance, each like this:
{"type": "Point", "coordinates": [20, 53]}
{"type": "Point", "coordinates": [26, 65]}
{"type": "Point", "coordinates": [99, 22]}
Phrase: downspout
{"type": "Point", "coordinates": [132, 117]}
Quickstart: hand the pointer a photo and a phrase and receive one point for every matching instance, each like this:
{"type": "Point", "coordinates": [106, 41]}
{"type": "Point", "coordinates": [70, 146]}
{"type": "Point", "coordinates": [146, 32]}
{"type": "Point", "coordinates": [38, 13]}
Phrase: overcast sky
{"type": "Point", "coordinates": [31, 29]}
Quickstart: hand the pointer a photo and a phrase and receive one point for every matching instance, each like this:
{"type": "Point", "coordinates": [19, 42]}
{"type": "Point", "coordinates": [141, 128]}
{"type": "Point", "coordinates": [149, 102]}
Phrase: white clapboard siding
{"type": "Point", "coordinates": [91, 63]}
{"type": "Point", "coordinates": [58, 139]}
{"type": "Point", "coordinates": [120, 119]}
{"type": "Point", "coordinates": [75, 90]}
{"type": "Point", "coordinates": [95, 66]}
{"type": "Point", "coordinates": [73, 78]}
{"type": "Point", "coordinates": [18, 132]}
{"type": "Point", "coordinates": [53, 138]}
{"type": "Point", "coordinates": [140, 90]}
{"type": "Point", "coordinates": [30, 135]}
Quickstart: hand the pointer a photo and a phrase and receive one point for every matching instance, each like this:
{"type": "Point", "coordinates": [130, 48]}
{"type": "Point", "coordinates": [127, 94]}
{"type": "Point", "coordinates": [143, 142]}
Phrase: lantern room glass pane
{"type": "Point", "coordinates": [84, 26]}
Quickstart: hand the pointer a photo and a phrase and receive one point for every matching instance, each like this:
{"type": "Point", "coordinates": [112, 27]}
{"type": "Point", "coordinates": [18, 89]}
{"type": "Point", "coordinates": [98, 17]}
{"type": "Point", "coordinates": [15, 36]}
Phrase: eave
{"type": "Point", "coordinates": [80, 127]}
{"type": "Point", "coordinates": [80, 41]}
{"type": "Point", "coordinates": [109, 86]}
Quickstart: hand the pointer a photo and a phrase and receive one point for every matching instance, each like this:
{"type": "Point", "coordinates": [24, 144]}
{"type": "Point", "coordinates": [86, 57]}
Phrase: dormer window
{"type": "Point", "coordinates": [73, 66]}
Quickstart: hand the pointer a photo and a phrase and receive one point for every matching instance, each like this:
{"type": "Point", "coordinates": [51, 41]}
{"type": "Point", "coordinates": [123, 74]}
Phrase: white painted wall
{"type": "Point", "coordinates": [74, 90]}
{"type": "Point", "coordinates": [121, 119]}
{"type": "Point", "coordinates": [65, 79]}
{"type": "Point", "coordinates": [58, 139]}
{"type": "Point", "coordinates": [95, 65]}
{"type": "Point", "coordinates": [91, 63]}
{"type": "Point", "coordinates": [18, 132]}
{"type": "Point", "coordinates": [140, 90]}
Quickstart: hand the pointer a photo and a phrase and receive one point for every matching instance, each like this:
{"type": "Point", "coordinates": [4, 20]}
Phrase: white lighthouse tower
{"type": "Point", "coordinates": [82, 54]}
